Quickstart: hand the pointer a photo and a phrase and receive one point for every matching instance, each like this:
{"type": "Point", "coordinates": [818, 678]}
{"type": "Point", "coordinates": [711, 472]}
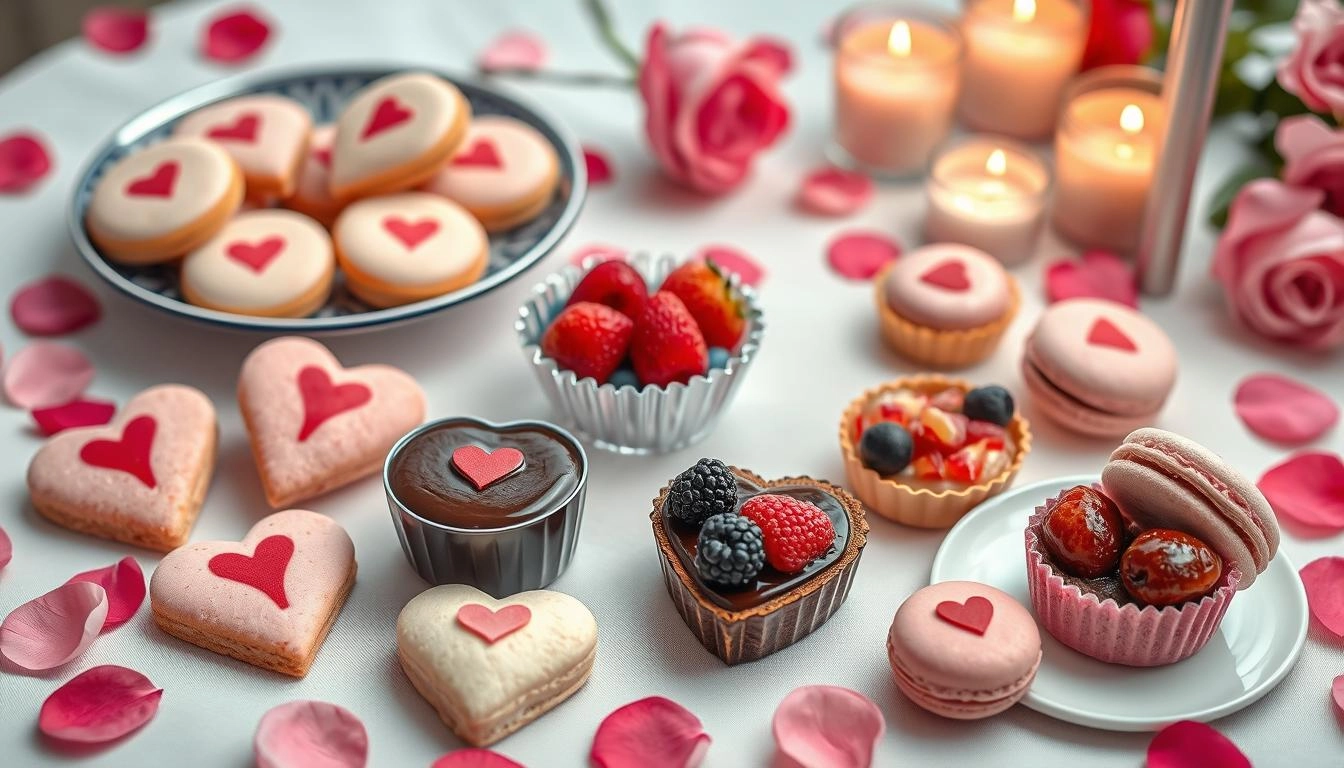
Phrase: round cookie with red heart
{"type": "Point", "coordinates": [505, 174]}
{"type": "Point", "coordinates": [266, 134]}
{"type": "Point", "coordinates": [161, 202]}
{"type": "Point", "coordinates": [268, 263]}
{"type": "Point", "coordinates": [397, 249]}
{"type": "Point", "coordinates": [312, 195]}
{"type": "Point", "coordinates": [396, 133]}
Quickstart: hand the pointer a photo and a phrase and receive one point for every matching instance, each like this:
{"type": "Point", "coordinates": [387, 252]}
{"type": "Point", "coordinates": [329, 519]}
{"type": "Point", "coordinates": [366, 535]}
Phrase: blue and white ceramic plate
{"type": "Point", "coordinates": [325, 92]}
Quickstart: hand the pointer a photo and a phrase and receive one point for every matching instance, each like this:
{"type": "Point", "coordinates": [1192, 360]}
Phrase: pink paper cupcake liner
{"type": "Point", "coordinates": [1119, 634]}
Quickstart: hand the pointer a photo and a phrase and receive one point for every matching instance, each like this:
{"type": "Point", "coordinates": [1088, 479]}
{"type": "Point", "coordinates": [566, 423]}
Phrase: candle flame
{"type": "Point", "coordinates": [1024, 10]}
{"type": "Point", "coordinates": [997, 163]}
{"type": "Point", "coordinates": [1124, 151]}
{"type": "Point", "coordinates": [1131, 119]}
{"type": "Point", "coordinates": [898, 42]}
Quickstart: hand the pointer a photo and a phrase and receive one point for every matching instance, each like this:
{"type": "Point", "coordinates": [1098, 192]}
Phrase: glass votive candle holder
{"type": "Point", "coordinates": [1106, 146]}
{"type": "Point", "coordinates": [988, 192]}
{"type": "Point", "coordinates": [897, 76]}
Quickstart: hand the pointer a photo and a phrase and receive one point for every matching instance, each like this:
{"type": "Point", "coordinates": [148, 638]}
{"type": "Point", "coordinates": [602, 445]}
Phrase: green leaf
{"type": "Point", "coordinates": [1227, 192]}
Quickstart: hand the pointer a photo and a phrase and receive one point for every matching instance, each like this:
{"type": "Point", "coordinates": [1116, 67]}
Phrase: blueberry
{"type": "Point", "coordinates": [718, 357]}
{"type": "Point", "coordinates": [624, 377]}
{"type": "Point", "coordinates": [886, 448]}
{"type": "Point", "coordinates": [993, 404]}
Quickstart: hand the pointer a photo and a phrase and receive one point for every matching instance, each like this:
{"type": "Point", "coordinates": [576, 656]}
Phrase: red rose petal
{"type": "Point", "coordinates": [828, 725]}
{"type": "Point", "coordinates": [1324, 581]}
{"type": "Point", "coordinates": [1284, 410]}
{"type": "Point", "coordinates": [44, 374]}
{"type": "Point", "coordinates": [474, 758]}
{"type": "Point", "coordinates": [1307, 488]}
{"type": "Point", "coordinates": [235, 36]}
{"type": "Point", "coordinates": [310, 734]}
{"type": "Point", "coordinates": [76, 413]}
{"type": "Point", "coordinates": [55, 628]}
{"type": "Point", "coordinates": [650, 733]}
{"type": "Point", "coordinates": [1188, 744]}
{"type": "Point", "coordinates": [24, 160]}
{"type": "Point", "coordinates": [99, 704]}
{"type": "Point", "coordinates": [834, 192]}
{"type": "Point", "coordinates": [1337, 693]}
{"type": "Point", "coordinates": [599, 167]}
{"type": "Point", "coordinates": [599, 252]}
{"type": "Point", "coordinates": [861, 255]}
{"type": "Point", "coordinates": [54, 305]}
{"type": "Point", "coordinates": [116, 30]}
{"type": "Point", "coordinates": [515, 49]}
{"type": "Point", "coordinates": [124, 583]}
{"type": "Point", "coordinates": [6, 549]}
{"type": "Point", "coordinates": [1096, 275]}
{"type": "Point", "coordinates": [735, 261]}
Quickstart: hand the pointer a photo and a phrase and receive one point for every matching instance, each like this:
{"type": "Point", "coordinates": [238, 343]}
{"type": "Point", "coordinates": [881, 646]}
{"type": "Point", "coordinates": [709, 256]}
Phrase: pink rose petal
{"type": "Point", "coordinates": [834, 192]}
{"type": "Point", "coordinates": [474, 758]}
{"type": "Point", "coordinates": [1337, 693]}
{"type": "Point", "coordinates": [53, 305]}
{"type": "Point", "coordinates": [24, 160]}
{"type": "Point", "coordinates": [858, 255]}
{"type": "Point", "coordinates": [599, 252]}
{"type": "Point", "coordinates": [1307, 488]}
{"type": "Point", "coordinates": [44, 374]}
{"type": "Point", "coordinates": [124, 583]}
{"type": "Point", "coordinates": [6, 549]}
{"type": "Point", "coordinates": [1284, 410]}
{"type": "Point", "coordinates": [826, 725]}
{"type": "Point", "coordinates": [235, 36]}
{"type": "Point", "coordinates": [1096, 275]}
{"type": "Point", "coordinates": [99, 705]}
{"type": "Point", "coordinates": [1188, 744]}
{"type": "Point", "coordinates": [76, 413]}
{"type": "Point", "coordinates": [650, 733]}
{"type": "Point", "coordinates": [310, 734]}
{"type": "Point", "coordinates": [55, 628]}
{"type": "Point", "coordinates": [515, 49]}
{"type": "Point", "coordinates": [733, 260]}
{"type": "Point", "coordinates": [1324, 581]}
{"type": "Point", "coordinates": [599, 167]}
{"type": "Point", "coordinates": [116, 30]}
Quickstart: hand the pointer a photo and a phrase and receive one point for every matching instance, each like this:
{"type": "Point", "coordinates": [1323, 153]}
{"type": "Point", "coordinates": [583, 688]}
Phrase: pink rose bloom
{"type": "Point", "coordinates": [1314, 72]}
{"type": "Point", "coordinates": [1281, 263]}
{"type": "Point", "coordinates": [1313, 156]}
{"type": "Point", "coordinates": [1120, 32]}
{"type": "Point", "coordinates": [711, 104]}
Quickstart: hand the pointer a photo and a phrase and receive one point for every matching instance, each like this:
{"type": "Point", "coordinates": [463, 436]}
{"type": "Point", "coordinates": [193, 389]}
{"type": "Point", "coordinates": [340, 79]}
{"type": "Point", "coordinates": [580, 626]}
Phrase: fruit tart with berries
{"type": "Point", "coordinates": [924, 450]}
{"type": "Point", "coordinates": [753, 565]}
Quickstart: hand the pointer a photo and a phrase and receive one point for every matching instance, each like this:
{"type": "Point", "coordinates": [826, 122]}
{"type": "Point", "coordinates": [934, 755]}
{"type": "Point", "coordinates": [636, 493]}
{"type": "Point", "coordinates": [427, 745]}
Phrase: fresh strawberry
{"type": "Point", "coordinates": [968, 464]}
{"type": "Point", "coordinates": [615, 284]}
{"type": "Point", "coordinates": [977, 430]}
{"type": "Point", "coordinates": [588, 339]}
{"type": "Point", "coordinates": [667, 345]}
{"type": "Point", "coordinates": [796, 531]}
{"type": "Point", "coordinates": [704, 290]}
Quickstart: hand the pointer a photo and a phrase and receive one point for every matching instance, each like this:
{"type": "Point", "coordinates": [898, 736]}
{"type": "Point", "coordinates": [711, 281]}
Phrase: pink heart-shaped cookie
{"type": "Point", "coordinates": [316, 426]}
{"type": "Point", "coordinates": [268, 600]}
{"type": "Point", "coordinates": [139, 480]}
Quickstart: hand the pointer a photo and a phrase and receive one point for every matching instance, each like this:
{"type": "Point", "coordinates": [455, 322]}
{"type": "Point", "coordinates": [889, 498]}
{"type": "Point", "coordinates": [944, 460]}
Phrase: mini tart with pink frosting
{"type": "Point", "coordinates": [945, 305]}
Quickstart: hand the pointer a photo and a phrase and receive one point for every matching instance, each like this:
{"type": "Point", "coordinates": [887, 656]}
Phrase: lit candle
{"type": "Point", "coordinates": [988, 193]}
{"type": "Point", "coordinates": [1105, 150]}
{"type": "Point", "coordinates": [1020, 54]}
{"type": "Point", "coordinates": [896, 81]}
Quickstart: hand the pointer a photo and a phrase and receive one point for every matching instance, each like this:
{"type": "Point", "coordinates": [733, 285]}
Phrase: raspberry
{"type": "Point", "coordinates": [615, 284]}
{"type": "Point", "coordinates": [588, 339]}
{"type": "Point", "coordinates": [730, 550]}
{"type": "Point", "coordinates": [708, 488]}
{"type": "Point", "coordinates": [796, 531]}
{"type": "Point", "coordinates": [667, 345]}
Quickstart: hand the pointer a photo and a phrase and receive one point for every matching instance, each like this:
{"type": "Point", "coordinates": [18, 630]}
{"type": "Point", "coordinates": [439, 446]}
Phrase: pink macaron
{"type": "Point", "coordinates": [1098, 368]}
{"type": "Point", "coordinates": [963, 650]}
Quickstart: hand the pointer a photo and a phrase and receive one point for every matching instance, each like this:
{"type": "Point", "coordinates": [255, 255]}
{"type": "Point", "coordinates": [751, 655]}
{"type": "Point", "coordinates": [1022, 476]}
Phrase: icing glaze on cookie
{"type": "Point", "coordinates": [502, 161]}
{"type": "Point", "coordinates": [392, 123]}
{"type": "Point", "coordinates": [264, 133]}
{"type": "Point", "coordinates": [161, 189]}
{"type": "Point", "coordinates": [409, 239]}
{"type": "Point", "coordinates": [261, 259]}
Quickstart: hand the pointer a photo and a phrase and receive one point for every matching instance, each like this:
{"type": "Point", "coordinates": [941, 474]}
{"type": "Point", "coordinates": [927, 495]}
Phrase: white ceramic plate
{"type": "Point", "coordinates": [1258, 642]}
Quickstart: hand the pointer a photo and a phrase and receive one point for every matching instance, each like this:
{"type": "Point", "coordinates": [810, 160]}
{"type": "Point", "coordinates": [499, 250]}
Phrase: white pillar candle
{"type": "Point", "coordinates": [989, 193]}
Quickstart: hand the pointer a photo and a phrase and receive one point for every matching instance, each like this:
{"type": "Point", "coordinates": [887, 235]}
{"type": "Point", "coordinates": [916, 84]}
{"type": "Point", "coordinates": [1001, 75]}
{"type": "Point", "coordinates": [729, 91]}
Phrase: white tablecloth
{"type": "Point", "coordinates": [820, 349]}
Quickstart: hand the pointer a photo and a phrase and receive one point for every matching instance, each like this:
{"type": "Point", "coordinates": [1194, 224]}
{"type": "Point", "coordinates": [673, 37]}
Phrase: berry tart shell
{"type": "Point", "coordinates": [922, 507]}
{"type": "Point", "coordinates": [936, 348]}
{"type": "Point", "coordinates": [747, 635]}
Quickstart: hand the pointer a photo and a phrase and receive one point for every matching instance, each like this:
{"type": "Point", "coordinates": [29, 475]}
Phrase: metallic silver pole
{"type": "Point", "coordinates": [1194, 60]}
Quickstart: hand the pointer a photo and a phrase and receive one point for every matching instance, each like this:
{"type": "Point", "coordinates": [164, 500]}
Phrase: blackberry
{"type": "Point", "coordinates": [993, 404]}
{"type": "Point", "coordinates": [730, 550]}
{"type": "Point", "coordinates": [708, 488]}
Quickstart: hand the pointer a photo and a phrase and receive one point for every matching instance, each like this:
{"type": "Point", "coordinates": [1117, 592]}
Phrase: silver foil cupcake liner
{"type": "Point", "coordinates": [629, 420]}
{"type": "Point", "coordinates": [498, 561]}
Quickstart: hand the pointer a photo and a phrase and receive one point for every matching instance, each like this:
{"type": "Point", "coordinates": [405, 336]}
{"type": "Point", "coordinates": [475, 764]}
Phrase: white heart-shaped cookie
{"type": "Point", "coordinates": [490, 666]}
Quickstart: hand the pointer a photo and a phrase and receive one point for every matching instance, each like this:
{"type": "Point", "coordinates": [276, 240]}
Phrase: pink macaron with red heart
{"type": "Point", "coordinates": [1098, 368]}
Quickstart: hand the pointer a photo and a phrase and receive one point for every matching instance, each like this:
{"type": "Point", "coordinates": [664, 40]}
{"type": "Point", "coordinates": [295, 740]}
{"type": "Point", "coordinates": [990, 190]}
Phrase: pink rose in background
{"type": "Point", "coordinates": [1281, 263]}
{"type": "Point", "coordinates": [1313, 156]}
{"type": "Point", "coordinates": [1121, 32]}
{"type": "Point", "coordinates": [711, 104]}
{"type": "Point", "coordinates": [1314, 72]}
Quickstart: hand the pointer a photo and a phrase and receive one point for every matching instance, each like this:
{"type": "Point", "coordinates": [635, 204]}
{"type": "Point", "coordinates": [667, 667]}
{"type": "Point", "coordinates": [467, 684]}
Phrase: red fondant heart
{"type": "Point", "coordinates": [973, 615]}
{"type": "Point", "coordinates": [388, 114]}
{"type": "Point", "coordinates": [482, 154]}
{"type": "Point", "coordinates": [950, 276]}
{"type": "Point", "coordinates": [129, 454]}
{"type": "Point", "coordinates": [264, 570]}
{"type": "Point", "coordinates": [492, 626]}
{"type": "Point", "coordinates": [160, 183]}
{"type": "Point", "coordinates": [256, 256]}
{"type": "Point", "coordinates": [1104, 333]}
{"type": "Point", "coordinates": [410, 233]}
{"type": "Point", "coordinates": [482, 468]}
{"type": "Point", "coordinates": [243, 129]}
{"type": "Point", "coordinates": [323, 156]}
{"type": "Point", "coordinates": [322, 399]}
